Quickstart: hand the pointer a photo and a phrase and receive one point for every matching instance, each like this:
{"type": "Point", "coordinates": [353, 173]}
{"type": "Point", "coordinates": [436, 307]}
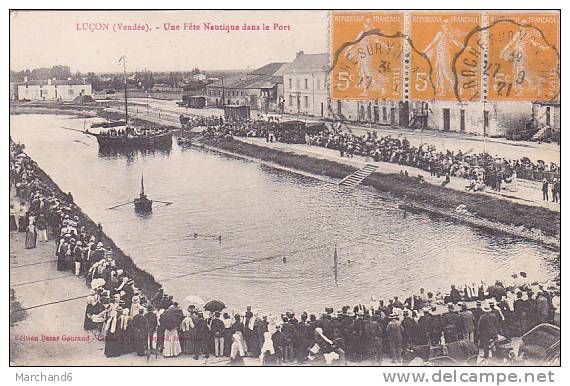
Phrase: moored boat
{"type": "Point", "coordinates": [143, 204]}
{"type": "Point", "coordinates": [146, 139]}
{"type": "Point", "coordinates": [121, 135]}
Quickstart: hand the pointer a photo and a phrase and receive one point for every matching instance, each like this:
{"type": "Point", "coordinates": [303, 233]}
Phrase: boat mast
{"type": "Point", "coordinates": [126, 103]}
{"type": "Point", "coordinates": [223, 93]}
{"type": "Point", "coordinates": [142, 185]}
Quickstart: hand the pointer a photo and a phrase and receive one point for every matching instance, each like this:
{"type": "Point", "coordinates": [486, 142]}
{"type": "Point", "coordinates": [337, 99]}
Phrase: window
{"type": "Point", "coordinates": [290, 99]}
{"type": "Point", "coordinates": [306, 98]}
{"type": "Point", "coordinates": [306, 83]}
{"type": "Point", "coordinates": [290, 83]}
{"type": "Point", "coordinates": [298, 84]}
{"type": "Point", "coordinates": [384, 114]}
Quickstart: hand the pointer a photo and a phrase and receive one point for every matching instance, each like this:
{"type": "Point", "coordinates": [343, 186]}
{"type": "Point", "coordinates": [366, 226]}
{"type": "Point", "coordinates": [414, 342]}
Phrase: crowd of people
{"type": "Point", "coordinates": [552, 187]}
{"type": "Point", "coordinates": [131, 132]}
{"type": "Point", "coordinates": [398, 330]}
{"type": "Point", "coordinates": [191, 121]}
{"type": "Point", "coordinates": [482, 171]}
{"type": "Point", "coordinates": [131, 322]}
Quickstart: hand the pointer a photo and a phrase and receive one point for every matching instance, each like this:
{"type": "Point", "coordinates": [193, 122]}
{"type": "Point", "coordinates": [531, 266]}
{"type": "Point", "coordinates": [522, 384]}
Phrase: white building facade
{"type": "Point", "coordinates": [305, 86]}
{"type": "Point", "coordinates": [51, 91]}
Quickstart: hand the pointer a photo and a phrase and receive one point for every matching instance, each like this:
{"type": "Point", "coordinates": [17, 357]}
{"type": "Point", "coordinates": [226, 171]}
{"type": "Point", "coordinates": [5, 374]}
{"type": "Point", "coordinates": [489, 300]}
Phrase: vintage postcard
{"type": "Point", "coordinates": [285, 188]}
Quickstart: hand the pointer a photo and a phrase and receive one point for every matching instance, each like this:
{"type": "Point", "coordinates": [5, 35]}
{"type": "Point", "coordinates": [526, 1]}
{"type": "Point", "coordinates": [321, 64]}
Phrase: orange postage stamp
{"type": "Point", "coordinates": [436, 40]}
{"type": "Point", "coordinates": [366, 55]}
{"type": "Point", "coordinates": [524, 57]}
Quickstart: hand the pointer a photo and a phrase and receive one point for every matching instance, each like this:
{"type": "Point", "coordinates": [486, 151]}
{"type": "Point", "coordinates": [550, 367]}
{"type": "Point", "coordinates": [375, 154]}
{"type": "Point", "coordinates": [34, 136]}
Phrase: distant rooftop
{"type": "Point", "coordinates": [268, 69]}
{"type": "Point", "coordinates": [306, 63]}
{"type": "Point", "coordinates": [56, 82]}
{"type": "Point", "coordinates": [263, 77]}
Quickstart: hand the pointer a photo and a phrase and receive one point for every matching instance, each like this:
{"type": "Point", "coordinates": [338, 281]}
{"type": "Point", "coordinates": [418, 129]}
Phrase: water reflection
{"type": "Point", "coordinates": [133, 154]}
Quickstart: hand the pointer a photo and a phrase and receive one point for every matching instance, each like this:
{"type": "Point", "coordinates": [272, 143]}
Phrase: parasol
{"type": "Point", "coordinates": [196, 300]}
{"type": "Point", "coordinates": [214, 305]}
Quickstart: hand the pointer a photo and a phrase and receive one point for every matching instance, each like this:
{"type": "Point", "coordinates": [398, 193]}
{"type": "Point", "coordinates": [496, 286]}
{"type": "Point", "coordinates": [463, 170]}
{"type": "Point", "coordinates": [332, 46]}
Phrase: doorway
{"type": "Point", "coordinates": [446, 120]}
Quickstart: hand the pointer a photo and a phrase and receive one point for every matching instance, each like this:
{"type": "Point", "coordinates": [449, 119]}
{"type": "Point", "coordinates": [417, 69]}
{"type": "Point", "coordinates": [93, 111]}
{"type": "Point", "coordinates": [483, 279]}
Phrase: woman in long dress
{"type": "Point", "coordinates": [22, 217]}
{"type": "Point", "coordinates": [31, 236]}
{"type": "Point", "coordinates": [113, 344]}
{"type": "Point", "coordinates": [186, 335]}
{"type": "Point", "coordinates": [140, 328]}
{"type": "Point", "coordinates": [92, 300]}
{"type": "Point", "coordinates": [125, 332]}
{"type": "Point", "coordinates": [171, 343]}
{"type": "Point", "coordinates": [13, 224]}
{"type": "Point", "coordinates": [61, 249]}
{"type": "Point", "coordinates": [228, 332]}
{"type": "Point", "coordinates": [267, 357]}
{"type": "Point", "coordinates": [170, 321]}
{"type": "Point", "coordinates": [238, 350]}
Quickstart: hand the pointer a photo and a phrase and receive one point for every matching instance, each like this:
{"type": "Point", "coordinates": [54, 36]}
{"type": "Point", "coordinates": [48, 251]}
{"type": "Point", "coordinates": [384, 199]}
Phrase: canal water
{"type": "Point", "coordinates": [278, 229]}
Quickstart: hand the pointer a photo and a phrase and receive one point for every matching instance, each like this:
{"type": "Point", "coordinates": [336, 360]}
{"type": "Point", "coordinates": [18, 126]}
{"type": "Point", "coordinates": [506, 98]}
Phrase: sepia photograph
{"type": "Point", "coordinates": [285, 188]}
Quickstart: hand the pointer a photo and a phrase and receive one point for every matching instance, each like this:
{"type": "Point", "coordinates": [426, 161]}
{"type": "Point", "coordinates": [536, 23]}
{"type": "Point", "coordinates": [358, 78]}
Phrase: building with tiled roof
{"type": "Point", "coordinates": [259, 89]}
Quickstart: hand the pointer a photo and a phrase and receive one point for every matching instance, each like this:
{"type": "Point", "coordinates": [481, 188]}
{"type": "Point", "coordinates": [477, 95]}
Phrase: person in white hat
{"type": "Point", "coordinates": [77, 255]}
{"type": "Point", "coordinates": [394, 336]}
{"type": "Point", "coordinates": [488, 329]}
{"type": "Point", "coordinates": [238, 351]}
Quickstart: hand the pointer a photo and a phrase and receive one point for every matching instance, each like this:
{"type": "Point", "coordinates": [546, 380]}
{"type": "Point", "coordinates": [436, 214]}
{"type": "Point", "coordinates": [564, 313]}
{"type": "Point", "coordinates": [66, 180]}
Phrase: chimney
{"type": "Point", "coordinates": [300, 53]}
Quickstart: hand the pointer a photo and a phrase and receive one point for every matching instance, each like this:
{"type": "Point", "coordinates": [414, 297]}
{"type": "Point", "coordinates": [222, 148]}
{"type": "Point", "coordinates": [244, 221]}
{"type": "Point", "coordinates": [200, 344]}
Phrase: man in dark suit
{"type": "Point", "coordinates": [488, 329]}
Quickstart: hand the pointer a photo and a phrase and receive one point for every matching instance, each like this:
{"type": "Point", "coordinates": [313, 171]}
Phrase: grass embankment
{"type": "Point", "coordinates": [490, 208]}
{"type": "Point", "coordinates": [143, 280]}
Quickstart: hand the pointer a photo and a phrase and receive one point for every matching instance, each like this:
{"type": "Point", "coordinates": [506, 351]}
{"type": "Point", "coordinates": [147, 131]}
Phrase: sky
{"type": "Point", "coordinates": [48, 38]}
